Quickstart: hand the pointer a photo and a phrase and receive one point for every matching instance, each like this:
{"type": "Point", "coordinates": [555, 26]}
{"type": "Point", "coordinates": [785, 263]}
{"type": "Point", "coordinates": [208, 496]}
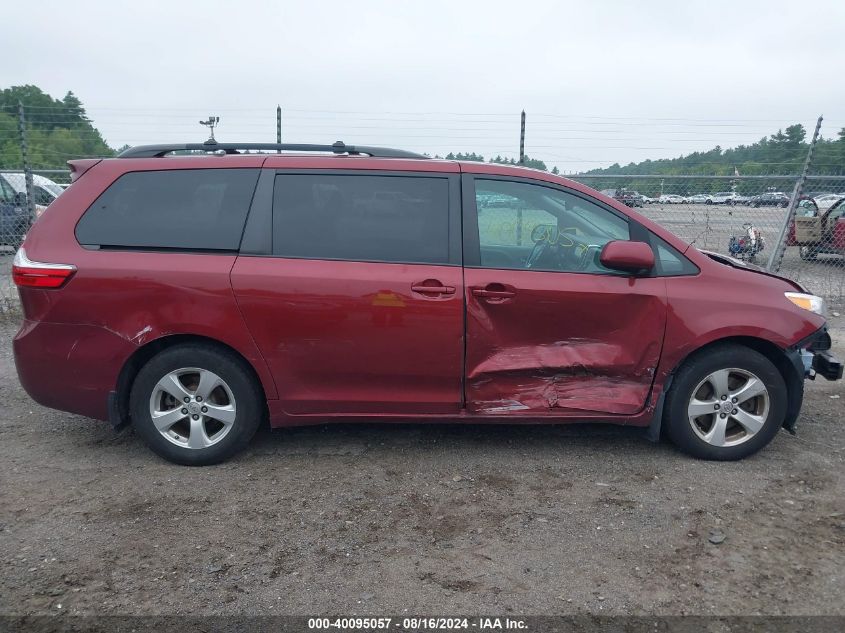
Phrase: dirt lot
{"type": "Point", "coordinates": [428, 519]}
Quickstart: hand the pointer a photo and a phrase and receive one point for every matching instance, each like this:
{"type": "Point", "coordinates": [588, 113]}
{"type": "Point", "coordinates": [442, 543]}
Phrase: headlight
{"type": "Point", "coordinates": [808, 302]}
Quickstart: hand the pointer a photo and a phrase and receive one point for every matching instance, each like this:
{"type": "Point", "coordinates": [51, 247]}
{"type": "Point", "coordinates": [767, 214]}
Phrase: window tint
{"type": "Point", "coordinates": [362, 218]}
{"type": "Point", "coordinates": [527, 226]}
{"type": "Point", "coordinates": [190, 209]}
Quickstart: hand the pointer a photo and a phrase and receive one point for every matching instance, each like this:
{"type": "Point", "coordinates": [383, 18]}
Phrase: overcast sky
{"type": "Point", "coordinates": [601, 82]}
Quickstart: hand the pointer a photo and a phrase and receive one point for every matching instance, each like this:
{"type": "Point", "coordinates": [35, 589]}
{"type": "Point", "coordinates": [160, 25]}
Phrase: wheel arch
{"type": "Point", "coordinates": [787, 362]}
{"type": "Point", "coordinates": [119, 407]}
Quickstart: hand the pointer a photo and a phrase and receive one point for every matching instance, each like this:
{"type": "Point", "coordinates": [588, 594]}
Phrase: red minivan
{"type": "Point", "coordinates": [200, 295]}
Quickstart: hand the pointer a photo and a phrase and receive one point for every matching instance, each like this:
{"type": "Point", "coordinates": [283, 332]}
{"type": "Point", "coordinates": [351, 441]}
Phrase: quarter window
{"type": "Point", "coordinates": [526, 226]}
{"type": "Point", "coordinates": [362, 218]}
{"type": "Point", "coordinates": [183, 209]}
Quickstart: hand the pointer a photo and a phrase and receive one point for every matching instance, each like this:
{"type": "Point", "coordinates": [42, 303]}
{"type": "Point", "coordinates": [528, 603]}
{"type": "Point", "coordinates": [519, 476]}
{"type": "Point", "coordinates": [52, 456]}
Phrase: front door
{"type": "Point", "coordinates": [359, 309]}
{"type": "Point", "coordinates": [549, 329]}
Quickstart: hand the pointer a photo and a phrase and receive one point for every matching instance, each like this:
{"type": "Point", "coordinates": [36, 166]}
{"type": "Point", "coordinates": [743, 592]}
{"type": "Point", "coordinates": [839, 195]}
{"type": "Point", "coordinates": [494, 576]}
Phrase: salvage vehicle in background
{"type": "Point", "coordinates": [360, 283]}
{"type": "Point", "coordinates": [818, 231]}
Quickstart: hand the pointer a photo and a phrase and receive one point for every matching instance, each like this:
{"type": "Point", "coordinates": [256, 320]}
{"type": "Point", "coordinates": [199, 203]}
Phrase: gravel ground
{"type": "Point", "coordinates": [418, 519]}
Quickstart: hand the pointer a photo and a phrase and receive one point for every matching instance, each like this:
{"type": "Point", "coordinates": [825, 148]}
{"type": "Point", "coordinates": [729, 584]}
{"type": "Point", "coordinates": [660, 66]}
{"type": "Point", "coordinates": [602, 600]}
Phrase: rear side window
{"type": "Point", "coordinates": [403, 219]}
{"type": "Point", "coordinates": [183, 209]}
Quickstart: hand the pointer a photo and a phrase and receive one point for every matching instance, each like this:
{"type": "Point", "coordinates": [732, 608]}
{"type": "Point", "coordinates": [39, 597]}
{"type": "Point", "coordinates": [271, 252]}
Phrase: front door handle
{"type": "Point", "coordinates": [433, 287]}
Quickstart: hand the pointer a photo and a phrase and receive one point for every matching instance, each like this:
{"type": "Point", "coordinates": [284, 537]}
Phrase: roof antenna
{"type": "Point", "coordinates": [212, 122]}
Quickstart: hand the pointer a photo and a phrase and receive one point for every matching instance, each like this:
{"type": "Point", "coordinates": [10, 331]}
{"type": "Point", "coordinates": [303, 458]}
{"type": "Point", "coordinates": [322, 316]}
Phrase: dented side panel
{"type": "Point", "coordinates": [563, 343]}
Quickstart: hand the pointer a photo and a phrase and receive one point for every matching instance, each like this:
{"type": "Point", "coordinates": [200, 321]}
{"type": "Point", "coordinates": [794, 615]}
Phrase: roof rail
{"type": "Point", "coordinates": [158, 151]}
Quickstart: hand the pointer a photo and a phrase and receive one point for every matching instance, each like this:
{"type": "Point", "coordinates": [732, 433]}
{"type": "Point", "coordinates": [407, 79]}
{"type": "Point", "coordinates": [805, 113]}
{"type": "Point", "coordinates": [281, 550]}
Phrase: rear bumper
{"type": "Point", "coordinates": [70, 367]}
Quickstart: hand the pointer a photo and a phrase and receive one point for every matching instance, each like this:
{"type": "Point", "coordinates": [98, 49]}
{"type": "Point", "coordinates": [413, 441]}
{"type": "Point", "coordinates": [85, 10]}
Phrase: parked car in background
{"type": "Point", "coordinates": [648, 200]}
{"type": "Point", "coordinates": [629, 198]}
{"type": "Point", "coordinates": [670, 198]}
{"type": "Point", "coordinates": [721, 197]}
{"type": "Point", "coordinates": [14, 215]}
{"type": "Point", "coordinates": [740, 199]}
{"type": "Point", "coordinates": [44, 190]}
{"type": "Point", "coordinates": [699, 198]}
{"type": "Point", "coordinates": [199, 297]}
{"type": "Point", "coordinates": [770, 199]}
{"type": "Point", "coordinates": [825, 201]}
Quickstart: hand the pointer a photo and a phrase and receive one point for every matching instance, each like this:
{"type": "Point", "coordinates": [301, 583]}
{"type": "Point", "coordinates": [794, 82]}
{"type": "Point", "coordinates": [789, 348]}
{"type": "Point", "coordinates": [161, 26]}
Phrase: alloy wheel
{"type": "Point", "coordinates": [192, 407]}
{"type": "Point", "coordinates": [728, 407]}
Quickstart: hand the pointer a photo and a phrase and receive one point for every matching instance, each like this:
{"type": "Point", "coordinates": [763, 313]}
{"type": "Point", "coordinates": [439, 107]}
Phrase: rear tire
{"type": "Point", "coordinates": [205, 401]}
{"type": "Point", "coordinates": [726, 402]}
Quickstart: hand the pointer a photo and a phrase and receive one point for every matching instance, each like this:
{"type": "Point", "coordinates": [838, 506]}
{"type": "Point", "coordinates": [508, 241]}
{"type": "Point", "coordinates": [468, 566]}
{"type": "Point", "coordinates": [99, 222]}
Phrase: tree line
{"type": "Point", "coordinates": [57, 130]}
{"type": "Point", "coordinates": [782, 153]}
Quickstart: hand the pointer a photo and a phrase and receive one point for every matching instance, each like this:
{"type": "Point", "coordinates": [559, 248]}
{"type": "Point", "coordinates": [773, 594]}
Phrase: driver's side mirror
{"type": "Point", "coordinates": [632, 257]}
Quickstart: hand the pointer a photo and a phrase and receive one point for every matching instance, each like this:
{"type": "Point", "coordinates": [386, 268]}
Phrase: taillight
{"type": "Point", "coordinates": [29, 274]}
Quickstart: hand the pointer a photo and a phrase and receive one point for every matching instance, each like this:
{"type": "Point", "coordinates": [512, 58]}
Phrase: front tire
{"type": "Point", "coordinates": [196, 404]}
{"type": "Point", "coordinates": [726, 402]}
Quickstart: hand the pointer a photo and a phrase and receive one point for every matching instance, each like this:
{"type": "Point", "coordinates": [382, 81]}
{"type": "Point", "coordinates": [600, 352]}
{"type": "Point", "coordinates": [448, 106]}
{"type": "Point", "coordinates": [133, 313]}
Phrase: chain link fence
{"type": "Point", "coordinates": [740, 215]}
{"type": "Point", "coordinates": [35, 145]}
{"type": "Point", "coordinates": [744, 216]}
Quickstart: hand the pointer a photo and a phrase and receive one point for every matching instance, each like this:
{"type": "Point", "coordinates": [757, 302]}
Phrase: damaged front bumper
{"type": "Point", "coordinates": [817, 359]}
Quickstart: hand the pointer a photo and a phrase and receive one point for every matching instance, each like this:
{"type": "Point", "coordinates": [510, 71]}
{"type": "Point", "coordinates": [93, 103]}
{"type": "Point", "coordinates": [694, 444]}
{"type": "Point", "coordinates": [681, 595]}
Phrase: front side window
{"type": "Point", "coordinates": [532, 227]}
{"type": "Point", "coordinates": [402, 219]}
{"type": "Point", "coordinates": [181, 209]}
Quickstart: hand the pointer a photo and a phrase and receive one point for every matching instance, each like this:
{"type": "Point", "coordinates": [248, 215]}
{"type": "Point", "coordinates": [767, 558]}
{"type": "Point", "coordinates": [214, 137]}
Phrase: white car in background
{"type": "Point", "coordinates": [44, 190]}
{"type": "Point", "coordinates": [671, 198]}
{"type": "Point", "coordinates": [722, 197]}
{"type": "Point", "coordinates": [828, 200]}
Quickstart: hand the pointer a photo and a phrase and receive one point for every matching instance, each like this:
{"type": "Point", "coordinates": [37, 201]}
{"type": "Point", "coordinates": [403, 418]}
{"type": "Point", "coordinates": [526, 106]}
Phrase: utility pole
{"type": "Point", "coordinates": [780, 246]}
{"type": "Point", "coordinates": [521, 162]}
{"type": "Point", "coordinates": [522, 139]}
{"type": "Point", "coordinates": [279, 127]}
{"type": "Point", "coordinates": [27, 170]}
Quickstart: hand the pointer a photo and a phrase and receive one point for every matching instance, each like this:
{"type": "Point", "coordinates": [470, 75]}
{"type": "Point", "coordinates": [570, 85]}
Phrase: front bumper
{"type": "Point", "coordinates": [824, 364]}
{"type": "Point", "coordinates": [817, 359]}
